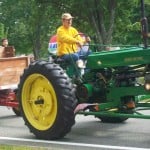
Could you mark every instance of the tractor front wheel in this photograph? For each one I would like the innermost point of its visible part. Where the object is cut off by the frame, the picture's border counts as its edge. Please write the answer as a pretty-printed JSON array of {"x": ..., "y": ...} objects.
[{"x": 112, "y": 119}]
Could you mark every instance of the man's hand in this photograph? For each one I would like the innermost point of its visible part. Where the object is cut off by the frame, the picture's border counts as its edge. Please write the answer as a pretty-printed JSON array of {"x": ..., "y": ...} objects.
[
  {"x": 88, "y": 39},
  {"x": 79, "y": 43}
]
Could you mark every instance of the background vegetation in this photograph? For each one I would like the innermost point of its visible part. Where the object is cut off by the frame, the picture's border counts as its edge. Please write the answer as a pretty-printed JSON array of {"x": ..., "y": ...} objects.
[
  {"x": 15, "y": 147},
  {"x": 29, "y": 24}
]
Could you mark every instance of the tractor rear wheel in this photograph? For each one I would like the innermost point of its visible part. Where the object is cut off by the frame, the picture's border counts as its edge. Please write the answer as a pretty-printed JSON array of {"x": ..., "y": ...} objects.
[{"x": 47, "y": 100}]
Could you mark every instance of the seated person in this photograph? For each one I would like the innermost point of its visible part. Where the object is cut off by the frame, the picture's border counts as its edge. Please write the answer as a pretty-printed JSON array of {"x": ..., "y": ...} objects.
[
  {"x": 4, "y": 42},
  {"x": 7, "y": 51},
  {"x": 69, "y": 40}
]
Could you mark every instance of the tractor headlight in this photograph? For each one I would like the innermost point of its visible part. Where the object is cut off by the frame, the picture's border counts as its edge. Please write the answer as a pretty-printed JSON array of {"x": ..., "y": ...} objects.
[
  {"x": 80, "y": 63},
  {"x": 147, "y": 82},
  {"x": 147, "y": 86}
]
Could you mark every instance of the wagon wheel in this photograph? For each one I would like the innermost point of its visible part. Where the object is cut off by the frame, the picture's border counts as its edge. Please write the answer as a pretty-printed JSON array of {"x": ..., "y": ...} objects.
[
  {"x": 47, "y": 100},
  {"x": 16, "y": 111}
]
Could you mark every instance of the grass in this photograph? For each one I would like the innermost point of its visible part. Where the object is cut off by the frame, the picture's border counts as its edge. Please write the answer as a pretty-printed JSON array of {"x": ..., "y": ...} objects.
[{"x": 14, "y": 147}]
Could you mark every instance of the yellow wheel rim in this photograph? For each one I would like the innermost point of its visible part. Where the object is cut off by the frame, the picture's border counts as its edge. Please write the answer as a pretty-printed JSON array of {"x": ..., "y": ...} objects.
[{"x": 39, "y": 101}]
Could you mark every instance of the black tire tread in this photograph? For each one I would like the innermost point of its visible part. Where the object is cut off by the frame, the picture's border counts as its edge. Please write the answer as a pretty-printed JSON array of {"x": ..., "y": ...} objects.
[{"x": 65, "y": 96}]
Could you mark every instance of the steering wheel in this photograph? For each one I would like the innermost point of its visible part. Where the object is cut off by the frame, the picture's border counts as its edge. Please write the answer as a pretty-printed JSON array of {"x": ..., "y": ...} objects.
[{"x": 85, "y": 47}]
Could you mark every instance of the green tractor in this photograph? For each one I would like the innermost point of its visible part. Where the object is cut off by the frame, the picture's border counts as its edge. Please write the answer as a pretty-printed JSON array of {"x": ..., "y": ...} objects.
[{"x": 115, "y": 86}]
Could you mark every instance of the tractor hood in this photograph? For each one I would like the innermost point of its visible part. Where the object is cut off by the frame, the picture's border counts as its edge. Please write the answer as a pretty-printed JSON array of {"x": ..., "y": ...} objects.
[{"x": 122, "y": 57}]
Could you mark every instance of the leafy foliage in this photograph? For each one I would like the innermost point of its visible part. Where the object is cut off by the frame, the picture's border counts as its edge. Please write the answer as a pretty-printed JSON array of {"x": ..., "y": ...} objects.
[
  {"x": 3, "y": 31},
  {"x": 29, "y": 24}
]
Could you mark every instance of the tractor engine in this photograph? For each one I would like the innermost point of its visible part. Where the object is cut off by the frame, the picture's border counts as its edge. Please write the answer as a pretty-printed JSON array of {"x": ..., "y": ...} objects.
[
  {"x": 95, "y": 85},
  {"x": 99, "y": 82}
]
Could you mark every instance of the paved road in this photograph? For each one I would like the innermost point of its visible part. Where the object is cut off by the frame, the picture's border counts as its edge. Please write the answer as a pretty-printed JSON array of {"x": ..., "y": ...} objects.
[{"x": 88, "y": 133}]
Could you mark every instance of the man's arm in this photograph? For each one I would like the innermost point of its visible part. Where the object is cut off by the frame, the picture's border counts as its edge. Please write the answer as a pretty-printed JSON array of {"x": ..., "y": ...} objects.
[{"x": 66, "y": 38}]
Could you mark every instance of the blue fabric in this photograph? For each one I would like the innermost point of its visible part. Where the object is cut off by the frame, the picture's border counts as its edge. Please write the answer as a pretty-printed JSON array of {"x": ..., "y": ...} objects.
[{"x": 76, "y": 56}]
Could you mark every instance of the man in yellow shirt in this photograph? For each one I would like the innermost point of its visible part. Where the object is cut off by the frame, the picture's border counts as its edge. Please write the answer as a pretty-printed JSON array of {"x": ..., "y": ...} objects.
[{"x": 69, "y": 41}]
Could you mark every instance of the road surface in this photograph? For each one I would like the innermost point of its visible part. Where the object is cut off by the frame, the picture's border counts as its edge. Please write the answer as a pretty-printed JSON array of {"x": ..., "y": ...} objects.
[{"x": 88, "y": 133}]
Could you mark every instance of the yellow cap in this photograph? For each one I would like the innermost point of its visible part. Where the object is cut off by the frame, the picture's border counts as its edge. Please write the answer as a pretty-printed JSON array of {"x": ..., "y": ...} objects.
[{"x": 66, "y": 16}]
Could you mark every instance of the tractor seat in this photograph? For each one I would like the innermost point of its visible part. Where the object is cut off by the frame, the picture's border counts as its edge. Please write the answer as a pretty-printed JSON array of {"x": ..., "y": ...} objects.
[{"x": 61, "y": 61}]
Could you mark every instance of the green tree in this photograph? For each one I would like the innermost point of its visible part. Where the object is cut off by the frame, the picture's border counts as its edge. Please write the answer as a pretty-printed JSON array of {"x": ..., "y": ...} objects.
[
  {"x": 107, "y": 21},
  {"x": 3, "y": 31},
  {"x": 31, "y": 23}
]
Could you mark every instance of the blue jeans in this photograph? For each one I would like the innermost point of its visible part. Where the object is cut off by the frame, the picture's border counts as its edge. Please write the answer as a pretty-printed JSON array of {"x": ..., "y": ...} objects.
[
  {"x": 76, "y": 56},
  {"x": 72, "y": 59}
]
